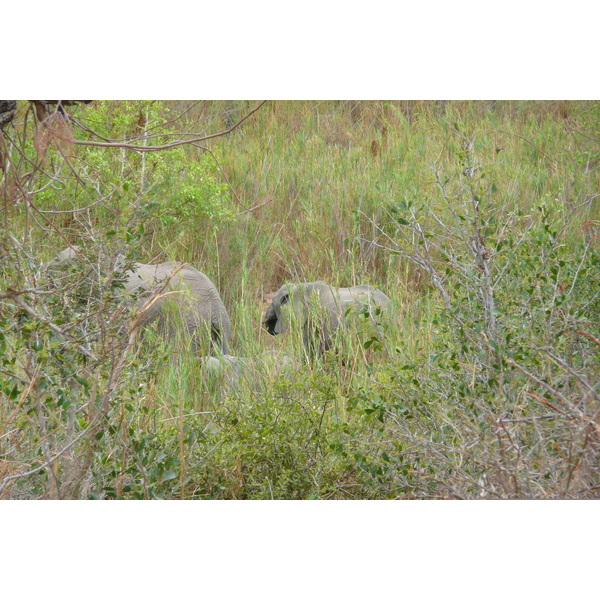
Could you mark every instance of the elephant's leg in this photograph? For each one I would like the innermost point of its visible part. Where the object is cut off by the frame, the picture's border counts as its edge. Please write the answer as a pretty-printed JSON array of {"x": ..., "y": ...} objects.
[
  {"x": 218, "y": 339},
  {"x": 313, "y": 344}
]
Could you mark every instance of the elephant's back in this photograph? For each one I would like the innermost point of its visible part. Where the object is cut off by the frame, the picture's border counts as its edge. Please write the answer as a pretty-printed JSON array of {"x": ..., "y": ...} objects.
[
  {"x": 148, "y": 276},
  {"x": 199, "y": 283},
  {"x": 364, "y": 294},
  {"x": 196, "y": 279},
  {"x": 142, "y": 276},
  {"x": 358, "y": 293},
  {"x": 380, "y": 298},
  {"x": 156, "y": 274}
]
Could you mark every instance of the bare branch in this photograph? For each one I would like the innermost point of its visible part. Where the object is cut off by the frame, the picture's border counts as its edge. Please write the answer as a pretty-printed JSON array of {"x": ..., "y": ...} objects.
[
  {"x": 555, "y": 393},
  {"x": 589, "y": 336},
  {"x": 169, "y": 146}
]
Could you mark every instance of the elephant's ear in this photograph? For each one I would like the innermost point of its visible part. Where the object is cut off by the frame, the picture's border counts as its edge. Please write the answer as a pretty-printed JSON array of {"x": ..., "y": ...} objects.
[
  {"x": 288, "y": 306},
  {"x": 309, "y": 299},
  {"x": 283, "y": 302},
  {"x": 277, "y": 321}
]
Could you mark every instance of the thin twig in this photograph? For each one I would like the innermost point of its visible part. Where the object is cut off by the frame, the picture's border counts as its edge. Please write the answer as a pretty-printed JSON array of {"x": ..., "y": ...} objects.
[
  {"x": 589, "y": 336},
  {"x": 210, "y": 412}
]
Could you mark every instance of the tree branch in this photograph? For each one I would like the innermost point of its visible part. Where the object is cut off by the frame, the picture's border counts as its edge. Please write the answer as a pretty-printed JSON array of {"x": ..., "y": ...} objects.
[{"x": 139, "y": 148}]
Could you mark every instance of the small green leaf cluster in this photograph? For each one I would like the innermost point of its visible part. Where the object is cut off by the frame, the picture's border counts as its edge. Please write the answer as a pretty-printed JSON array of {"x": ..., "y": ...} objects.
[{"x": 194, "y": 199}]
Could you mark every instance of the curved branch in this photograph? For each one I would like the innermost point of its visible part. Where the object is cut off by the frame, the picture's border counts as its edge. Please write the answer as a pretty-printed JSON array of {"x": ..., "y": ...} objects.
[{"x": 171, "y": 144}]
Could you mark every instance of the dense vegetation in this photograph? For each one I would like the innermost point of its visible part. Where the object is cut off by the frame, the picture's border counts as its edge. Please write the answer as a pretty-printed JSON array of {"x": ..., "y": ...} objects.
[{"x": 481, "y": 221}]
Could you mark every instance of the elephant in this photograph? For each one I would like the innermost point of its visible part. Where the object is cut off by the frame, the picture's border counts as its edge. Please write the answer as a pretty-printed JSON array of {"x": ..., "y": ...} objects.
[
  {"x": 321, "y": 310},
  {"x": 62, "y": 260},
  {"x": 195, "y": 296},
  {"x": 228, "y": 370},
  {"x": 192, "y": 293},
  {"x": 278, "y": 362},
  {"x": 66, "y": 255}
]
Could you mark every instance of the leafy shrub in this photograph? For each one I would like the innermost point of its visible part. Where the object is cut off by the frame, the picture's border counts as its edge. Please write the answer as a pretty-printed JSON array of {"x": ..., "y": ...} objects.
[{"x": 505, "y": 402}]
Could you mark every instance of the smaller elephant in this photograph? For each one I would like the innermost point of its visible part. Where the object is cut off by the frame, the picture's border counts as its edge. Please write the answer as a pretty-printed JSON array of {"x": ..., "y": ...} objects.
[
  {"x": 321, "y": 310},
  {"x": 277, "y": 362},
  {"x": 227, "y": 371}
]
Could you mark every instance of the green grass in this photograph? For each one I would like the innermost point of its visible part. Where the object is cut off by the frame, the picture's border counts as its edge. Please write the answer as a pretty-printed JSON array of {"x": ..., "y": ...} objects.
[{"x": 299, "y": 193}]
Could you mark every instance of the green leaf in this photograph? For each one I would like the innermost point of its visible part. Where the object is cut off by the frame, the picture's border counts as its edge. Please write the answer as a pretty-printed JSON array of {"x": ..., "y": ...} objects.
[
  {"x": 167, "y": 476},
  {"x": 14, "y": 392}
]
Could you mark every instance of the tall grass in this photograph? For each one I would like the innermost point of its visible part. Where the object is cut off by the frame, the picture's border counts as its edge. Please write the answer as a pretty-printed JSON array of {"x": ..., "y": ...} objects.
[
  {"x": 315, "y": 166},
  {"x": 310, "y": 190}
]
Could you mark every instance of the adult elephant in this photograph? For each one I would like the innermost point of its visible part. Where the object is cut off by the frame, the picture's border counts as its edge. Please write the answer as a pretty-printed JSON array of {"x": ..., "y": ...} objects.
[
  {"x": 321, "y": 310},
  {"x": 168, "y": 293},
  {"x": 178, "y": 290}
]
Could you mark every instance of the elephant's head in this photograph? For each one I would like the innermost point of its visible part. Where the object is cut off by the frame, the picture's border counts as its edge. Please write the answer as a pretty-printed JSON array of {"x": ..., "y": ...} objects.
[{"x": 292, "y": 301}]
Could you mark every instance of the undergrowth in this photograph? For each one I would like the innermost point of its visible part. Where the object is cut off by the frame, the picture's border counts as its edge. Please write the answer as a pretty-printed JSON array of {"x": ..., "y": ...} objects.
[{"x": 478, "y": 219}]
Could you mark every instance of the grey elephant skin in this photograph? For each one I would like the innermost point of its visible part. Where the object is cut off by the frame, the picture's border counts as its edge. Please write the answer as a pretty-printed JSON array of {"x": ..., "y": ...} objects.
[
  {"x": 320, "y": 310},
  {"x": 228, "y": 371},
  {"x": 193, "y": 296}
]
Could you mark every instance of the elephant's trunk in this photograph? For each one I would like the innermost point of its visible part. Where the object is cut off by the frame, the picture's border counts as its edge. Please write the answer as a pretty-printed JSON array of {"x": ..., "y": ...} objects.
[{"x": 270, "y": 321}]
